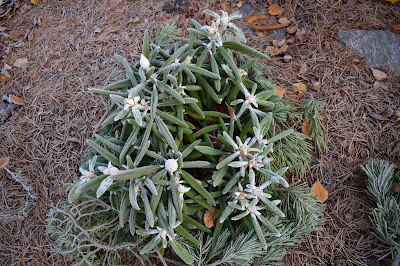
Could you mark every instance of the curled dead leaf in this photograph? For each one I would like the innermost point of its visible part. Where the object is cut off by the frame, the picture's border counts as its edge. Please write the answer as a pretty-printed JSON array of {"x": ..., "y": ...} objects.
[
  {"x": 4, "y": 161},
  {"x": 208, "y": 218},
  {"x": 305, "y": 127},
  {"x": 35, "y": 2},
  {"x": 16, "y": 100},
  {"x": 255, "y": 18},
  {"x": 299, "y": 87},
  {"x": 275, "y": 10},
  {"x": 279, "y": 91},
  {"x": 319, "y": 191}
]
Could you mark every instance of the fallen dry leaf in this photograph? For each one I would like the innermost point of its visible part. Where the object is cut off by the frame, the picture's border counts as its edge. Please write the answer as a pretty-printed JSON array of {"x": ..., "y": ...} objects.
[
  {"x": 4, "y": 162},
  {"x": 396, "y": 187},
  {"x": 3, "y": 77},
  {"x": 392, "y": 1},
  {"x": 383, "y": 85},
  {"x": 255, "y": 18},
  {"x": 351, "y": 150},
  {"x": 21, "y": 62},
  {"x": 279, "y": 91},
  {"x": 303, "y": 69},
  {"x": 317, "y": 86},
  {"x": 284, "y": 21},
  {"x": 291, "y": 29},
  {"x": 271, "y": 50},
  {"x": 396, "y": 27},
  {"x": 16, "y": 100},
  {"x": 378, "y": 116},
  {"x": 275, "y": 10},
  {"x": 35, "y": 2},
  {"x": 208, "y": 218},
  {"x": 378, "y": 75},
  {"x": 271, "y": 27},
  {"x": 305, "y": 127},
  {"x": 319, "y": 191},
  {"x": 299, "y": 87},
  {"x": 240, "y": 4},
  {"x": 287, "y": 58}
]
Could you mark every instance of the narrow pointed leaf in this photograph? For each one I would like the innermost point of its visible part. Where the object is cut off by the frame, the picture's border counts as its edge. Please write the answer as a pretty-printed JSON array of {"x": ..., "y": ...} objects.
[{"x": 196, "y": 186}]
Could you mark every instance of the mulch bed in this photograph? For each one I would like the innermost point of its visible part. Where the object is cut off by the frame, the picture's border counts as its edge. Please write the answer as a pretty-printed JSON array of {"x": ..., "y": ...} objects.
[{"x": 70, "y": 46}]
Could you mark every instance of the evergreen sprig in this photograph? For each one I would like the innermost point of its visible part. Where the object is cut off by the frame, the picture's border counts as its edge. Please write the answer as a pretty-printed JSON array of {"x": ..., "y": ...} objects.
[{"x": 386, "y": 211}]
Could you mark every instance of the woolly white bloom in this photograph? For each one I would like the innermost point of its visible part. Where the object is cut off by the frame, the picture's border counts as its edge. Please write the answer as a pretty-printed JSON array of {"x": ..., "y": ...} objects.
[
  {"x": 109, "y": 170},
  {"x": 88, "y": 174},
  {"x": 144, "y": 62},
  {"x": 171, "y": 165},
  {"x": 182, "y": 190},
  {"x": 138, "y": 106},
  {"x": 188, "y": 59},
  {"x": 242, "y": 72}
]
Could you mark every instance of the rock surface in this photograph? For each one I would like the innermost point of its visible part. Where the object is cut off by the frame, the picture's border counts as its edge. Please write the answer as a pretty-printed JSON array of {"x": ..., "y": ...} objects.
[{"x": 381, "y": 48}]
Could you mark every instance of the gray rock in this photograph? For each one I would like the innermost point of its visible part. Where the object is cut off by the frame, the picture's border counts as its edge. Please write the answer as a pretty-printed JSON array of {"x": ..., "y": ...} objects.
[
  {"x": 380, "y": 47},
  {"x": 246, "y": 10}
]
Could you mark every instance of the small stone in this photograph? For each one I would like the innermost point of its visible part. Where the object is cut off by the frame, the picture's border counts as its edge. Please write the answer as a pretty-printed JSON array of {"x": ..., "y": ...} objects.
[
  {"x": 287, "y": 58},
  {"x": 378, "y": 75},
  {"x": 291, "y": 29},
  {"x": 284, "y": 21},
  {"x": 379, "y": 47}
]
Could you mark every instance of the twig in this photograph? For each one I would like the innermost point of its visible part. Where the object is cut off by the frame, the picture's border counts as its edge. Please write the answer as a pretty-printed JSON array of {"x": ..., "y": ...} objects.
[{"x": 272, "y": 27}]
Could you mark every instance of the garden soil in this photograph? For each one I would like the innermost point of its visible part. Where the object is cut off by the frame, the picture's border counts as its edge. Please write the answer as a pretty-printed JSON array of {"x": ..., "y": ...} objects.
[{"x": 70, "y": 46}]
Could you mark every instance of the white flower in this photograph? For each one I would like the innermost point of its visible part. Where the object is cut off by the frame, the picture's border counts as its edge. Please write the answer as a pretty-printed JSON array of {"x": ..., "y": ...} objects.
[
  {"x": 224, "y": 19},
  {"x": 134, "y": 102},
  {"x": 88, "y": 174},
  {"x": 188, "y": 59},
  {"x": 242, "y": 72},
  {"x": 182, "y": 190},
  {"x": 144, "y": 62},
  {"x": 138, "y": 106},
  {"x": 109, "y": 170},
  {"x": 171, "y": 165}
]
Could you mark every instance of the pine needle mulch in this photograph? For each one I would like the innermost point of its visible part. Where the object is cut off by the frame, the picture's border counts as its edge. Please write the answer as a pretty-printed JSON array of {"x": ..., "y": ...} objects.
[{"x": 73, "y": 47}]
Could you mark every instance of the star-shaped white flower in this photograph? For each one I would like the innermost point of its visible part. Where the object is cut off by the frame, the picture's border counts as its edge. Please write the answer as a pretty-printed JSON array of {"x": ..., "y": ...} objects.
[{"x": 109, "y": 170}]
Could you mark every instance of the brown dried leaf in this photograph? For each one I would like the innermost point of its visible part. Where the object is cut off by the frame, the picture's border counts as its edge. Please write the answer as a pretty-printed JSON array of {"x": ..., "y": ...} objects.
[
  {"x": 284, "y": 21},
  {"x": 319, "y": 191},
  {"x": 299, "y": 87},
  {"x": 279, "y": 91},
  {"x": 292, "y": 29},
  {"x": 351, "y": 149},
  {"x": 378, "y": 116},
  {"x": 208, "y": 218},
  {"x": 396, "y": 187},
  {"x": 16, "y": 100},
  {"x": 378, "y": 75},
  {"x": 4, "y": 162},
  {"x": 275, "y": 10},
  {"x": 255, "y": 18},
  {"x": 305, "y": 127}
]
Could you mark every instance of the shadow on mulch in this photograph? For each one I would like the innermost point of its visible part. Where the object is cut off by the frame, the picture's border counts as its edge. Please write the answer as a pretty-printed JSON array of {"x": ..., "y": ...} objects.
[{"x": 71, "y": 45}]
